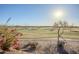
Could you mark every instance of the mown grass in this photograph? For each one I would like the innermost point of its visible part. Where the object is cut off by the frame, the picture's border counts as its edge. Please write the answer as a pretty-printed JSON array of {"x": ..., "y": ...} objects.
[{"x": 42, "y": 33}]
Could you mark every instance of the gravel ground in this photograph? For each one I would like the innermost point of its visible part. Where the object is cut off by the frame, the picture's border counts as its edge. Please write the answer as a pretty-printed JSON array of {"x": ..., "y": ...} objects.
[{"x": 49, "y": 46}]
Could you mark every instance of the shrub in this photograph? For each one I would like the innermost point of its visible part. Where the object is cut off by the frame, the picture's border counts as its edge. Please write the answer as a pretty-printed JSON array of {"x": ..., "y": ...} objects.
[{"x": 9, "y": 38}]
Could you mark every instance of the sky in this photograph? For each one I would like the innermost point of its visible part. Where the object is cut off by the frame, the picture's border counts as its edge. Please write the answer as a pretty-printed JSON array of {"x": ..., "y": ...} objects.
[{"x": 38, "y": 14}]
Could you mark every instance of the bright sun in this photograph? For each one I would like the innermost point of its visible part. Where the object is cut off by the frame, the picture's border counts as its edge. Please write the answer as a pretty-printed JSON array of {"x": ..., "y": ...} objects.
[{"x": 58, "y": 14}]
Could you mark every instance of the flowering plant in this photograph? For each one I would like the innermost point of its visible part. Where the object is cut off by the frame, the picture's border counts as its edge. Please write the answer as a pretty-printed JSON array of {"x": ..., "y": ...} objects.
[{"x": 9, "y": 38}]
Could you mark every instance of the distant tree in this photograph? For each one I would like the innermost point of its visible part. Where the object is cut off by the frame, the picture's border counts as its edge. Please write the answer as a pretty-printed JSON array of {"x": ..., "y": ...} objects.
[
  {"x": 61, "y": 25},
  {"x": 55, "y": 25}
]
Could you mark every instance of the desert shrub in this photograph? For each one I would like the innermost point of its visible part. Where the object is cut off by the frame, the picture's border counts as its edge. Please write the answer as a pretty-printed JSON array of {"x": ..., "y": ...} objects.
[{"x": 9, "y": 38}]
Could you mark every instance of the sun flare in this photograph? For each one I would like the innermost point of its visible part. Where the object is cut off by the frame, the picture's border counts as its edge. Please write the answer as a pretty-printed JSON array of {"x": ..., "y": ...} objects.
[{"x": 58, "y": 15}]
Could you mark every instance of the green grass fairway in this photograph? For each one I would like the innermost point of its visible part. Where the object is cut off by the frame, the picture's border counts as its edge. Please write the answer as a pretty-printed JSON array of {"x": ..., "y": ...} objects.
[{"x": 47, "y": 33}]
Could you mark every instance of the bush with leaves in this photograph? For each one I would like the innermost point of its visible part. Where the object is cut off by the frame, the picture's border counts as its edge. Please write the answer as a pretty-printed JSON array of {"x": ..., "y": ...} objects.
[{"x": 9, "y": 38}]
